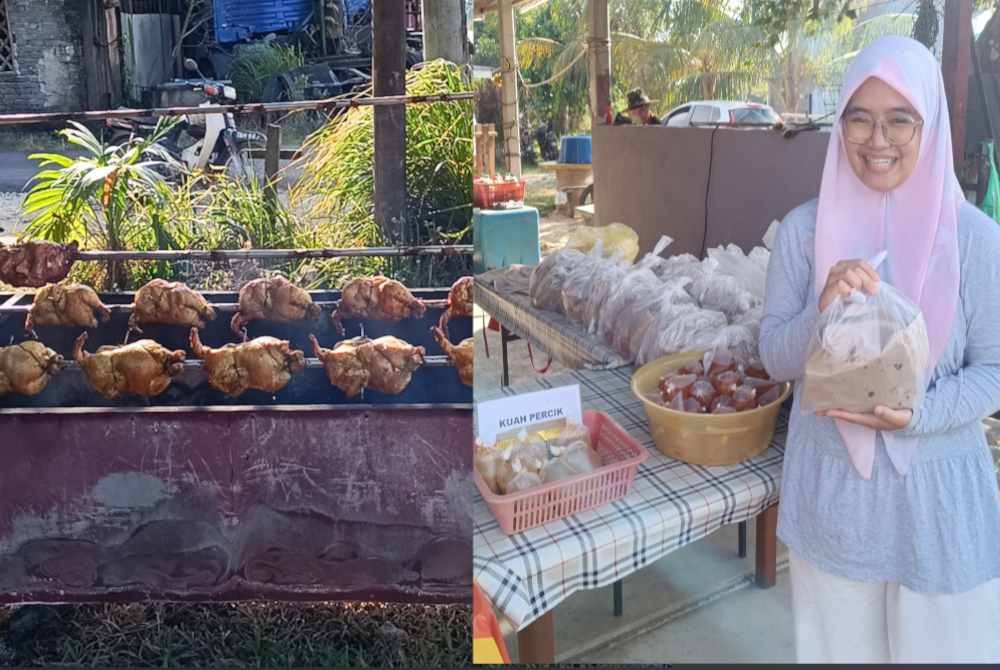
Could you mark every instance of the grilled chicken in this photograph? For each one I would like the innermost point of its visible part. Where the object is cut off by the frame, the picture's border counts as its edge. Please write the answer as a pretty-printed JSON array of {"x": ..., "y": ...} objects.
[
  {"x": 385, "y": 364},
  {"x": 26, "y": 368},
  {"x": 66, "y": 304},
  {"x": 462, "y": 355},
  {"x": 263, "y": 363},
  {"x": 343, "y": 367},
  {"x": 35, "y": 264},
  {"x": 172, "y": 303},
  {"x": 142, "y": 368},
  {"x": 390, "y": 362},
  {"x": 378, "y": 298},
  {"x": 274, "y": 299},
  {"x": 459, "y": 302}
]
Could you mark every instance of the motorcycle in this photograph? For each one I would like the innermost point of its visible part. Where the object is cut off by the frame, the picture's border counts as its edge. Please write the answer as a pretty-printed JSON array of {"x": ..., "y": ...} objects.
[{"x": 200, "y": 142}]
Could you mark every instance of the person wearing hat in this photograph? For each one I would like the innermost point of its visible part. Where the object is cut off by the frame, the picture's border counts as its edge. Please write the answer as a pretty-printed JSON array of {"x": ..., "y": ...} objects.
[{"x": 638, "y": 108}]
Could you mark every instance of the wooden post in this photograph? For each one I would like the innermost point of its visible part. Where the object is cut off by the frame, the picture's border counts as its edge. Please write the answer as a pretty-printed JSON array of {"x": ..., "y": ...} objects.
[
  {"x": 537, "y": 642},
  {"x": 598, "y": 61},
  {"x": 389, "y": 78},
  {"x": 766, "y": 549},
  {"x": 272, "y": 160},
  {"x": 508, "y": 71},
  {"x": 955, "y": 56}
]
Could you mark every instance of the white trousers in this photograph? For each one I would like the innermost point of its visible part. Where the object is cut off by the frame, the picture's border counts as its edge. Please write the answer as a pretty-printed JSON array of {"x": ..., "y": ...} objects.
[{"x": 839, "y": 620}]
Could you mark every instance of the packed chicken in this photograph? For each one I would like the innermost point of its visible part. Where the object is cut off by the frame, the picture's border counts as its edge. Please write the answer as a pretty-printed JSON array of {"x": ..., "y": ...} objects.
[
  {"x": 459, "y": 302},
  {"x": 66, "y": 304},
  {"x": 461, "y": 355},
  {"x": 263, "y": 363},
  {"x": 143, "y": 368},
  {"x": 378, "y": 298},
  {"x": 171, "y": 303},
  {"x": 35, "y": 264},
  {"x": 534, "y": 458},
  {"x": 385, "y": 364},
  {"x": 273, "y": 299},
  {"x": 26, "y": 368},
  {"x": 719, "y": 384}
]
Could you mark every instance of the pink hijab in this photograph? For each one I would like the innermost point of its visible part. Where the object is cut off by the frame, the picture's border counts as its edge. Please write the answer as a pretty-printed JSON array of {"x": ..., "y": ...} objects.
[{"x": 916, "y": 222}]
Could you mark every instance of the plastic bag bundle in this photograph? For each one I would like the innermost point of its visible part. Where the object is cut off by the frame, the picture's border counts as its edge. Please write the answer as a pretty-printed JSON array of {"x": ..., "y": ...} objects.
[
  {"x": 606, "y": 279},
  {"x": 683, "y": 327},
  {"x": 723, "y": 293},
  {"x": 616, "y": 240},
  {"x": 578, "y": 286},
  {"x": 575, "y": 459},
  {"x": 684, "y": 265},
  {"x": 749, "y": 271},
  {"x": 630, "y": 305},
  {"x": 547, "y": 278},
  {"x": 867, "y": 351}
]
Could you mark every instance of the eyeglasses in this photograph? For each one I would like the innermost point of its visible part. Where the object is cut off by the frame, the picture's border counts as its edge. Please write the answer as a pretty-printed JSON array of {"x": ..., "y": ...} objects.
[{"x": 898, "y": 129}]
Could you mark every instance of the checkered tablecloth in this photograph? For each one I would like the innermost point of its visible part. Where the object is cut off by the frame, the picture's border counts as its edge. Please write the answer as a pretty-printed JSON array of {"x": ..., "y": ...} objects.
[
  {"x": 503, "y": 294},
  {"x": 671, "y": 504}
]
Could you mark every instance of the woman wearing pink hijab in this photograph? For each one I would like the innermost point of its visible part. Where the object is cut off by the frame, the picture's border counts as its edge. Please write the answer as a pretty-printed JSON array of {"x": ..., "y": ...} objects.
[{"x": 892, "y": 519}]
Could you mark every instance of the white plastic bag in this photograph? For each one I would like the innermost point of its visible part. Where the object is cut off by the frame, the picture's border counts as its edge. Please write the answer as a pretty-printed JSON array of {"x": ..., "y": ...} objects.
[
  {"x": 750, "y": 272},
  {"x": 867, "y": 351},
  {"x": 723, "y": 293},
  {"x": 684, "y": 327},
  {"x": 579, "y": 284},
  {"x": 607, "y": 278},
  {"x": 547, "y": 278}
]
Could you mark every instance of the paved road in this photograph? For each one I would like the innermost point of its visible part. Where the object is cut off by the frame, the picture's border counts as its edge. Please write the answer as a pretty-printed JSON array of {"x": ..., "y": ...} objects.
[{"x": 15, "y": 170}]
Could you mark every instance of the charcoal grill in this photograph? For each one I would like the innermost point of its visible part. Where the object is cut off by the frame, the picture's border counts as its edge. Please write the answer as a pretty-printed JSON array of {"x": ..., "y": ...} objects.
[{"x": 193, "y": 495}]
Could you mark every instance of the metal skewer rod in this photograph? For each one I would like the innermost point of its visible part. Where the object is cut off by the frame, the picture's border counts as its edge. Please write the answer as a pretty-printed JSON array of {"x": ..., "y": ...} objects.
[
  {"x": 196, "y": 364},
  {"x": 273, "y": 254},
  {"x": 222, "y": 307}
]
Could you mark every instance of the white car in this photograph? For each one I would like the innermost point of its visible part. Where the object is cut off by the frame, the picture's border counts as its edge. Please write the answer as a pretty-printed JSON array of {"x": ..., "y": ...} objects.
[{"x": 721, "y": 112}]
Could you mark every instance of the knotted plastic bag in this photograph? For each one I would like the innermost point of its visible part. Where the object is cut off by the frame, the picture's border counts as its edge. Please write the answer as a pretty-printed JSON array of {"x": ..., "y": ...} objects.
[
  {"x": 547, "y": 278},
  {"x": 867, "y": 351}
]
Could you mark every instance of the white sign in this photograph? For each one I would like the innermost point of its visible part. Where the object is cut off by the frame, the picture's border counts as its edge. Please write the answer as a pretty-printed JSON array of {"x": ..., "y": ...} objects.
[{"x": 509, "y": 415}]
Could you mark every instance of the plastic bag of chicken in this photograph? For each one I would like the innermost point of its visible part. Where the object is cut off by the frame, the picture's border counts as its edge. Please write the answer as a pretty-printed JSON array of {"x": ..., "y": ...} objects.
[
  {"x": 547, "y": 278},
  {"x": 867, "y": 351}
]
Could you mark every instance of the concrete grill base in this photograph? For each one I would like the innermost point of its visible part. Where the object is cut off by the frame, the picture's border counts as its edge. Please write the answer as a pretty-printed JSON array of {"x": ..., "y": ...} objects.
[{"x": 234, "y": 503}]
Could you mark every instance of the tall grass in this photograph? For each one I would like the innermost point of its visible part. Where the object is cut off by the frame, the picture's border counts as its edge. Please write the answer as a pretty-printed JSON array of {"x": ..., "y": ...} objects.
[
  {"x": 336, "y": 192},
  {"x": 253, "y": 64}
]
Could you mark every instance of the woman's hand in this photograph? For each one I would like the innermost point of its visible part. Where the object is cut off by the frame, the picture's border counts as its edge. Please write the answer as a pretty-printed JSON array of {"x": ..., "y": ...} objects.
[
  {"x": 883, "y": 418},
  {"x": 846, "y": 276}
]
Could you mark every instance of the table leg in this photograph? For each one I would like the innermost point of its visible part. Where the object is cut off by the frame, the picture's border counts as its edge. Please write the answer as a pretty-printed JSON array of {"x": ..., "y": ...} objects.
[
  {"x": 767, "y": 547},
  {"x": 537, "y": 642},
  {"x": 504, "y": 339},
  {"x": 619, "y": 597},
  {"x": 743, "y": 539}
]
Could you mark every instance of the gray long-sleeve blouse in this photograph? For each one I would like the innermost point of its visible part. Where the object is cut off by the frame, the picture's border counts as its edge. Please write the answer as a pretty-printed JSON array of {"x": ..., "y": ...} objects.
[{"x": 936, "y": 530}]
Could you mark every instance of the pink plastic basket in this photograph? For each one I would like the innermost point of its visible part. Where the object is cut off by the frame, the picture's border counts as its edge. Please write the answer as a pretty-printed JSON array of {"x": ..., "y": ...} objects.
[{"x": 621, "y": 456}]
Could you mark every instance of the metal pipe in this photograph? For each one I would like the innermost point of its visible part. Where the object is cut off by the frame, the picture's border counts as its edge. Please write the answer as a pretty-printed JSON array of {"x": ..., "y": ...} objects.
[
  {"x": 255, "y": 108},
  {"x": 223, "y": 307},
  {"x": 174, "y": 409},
  {"x": 244, "y": 254},
  {"x": 197, "y": 364}
]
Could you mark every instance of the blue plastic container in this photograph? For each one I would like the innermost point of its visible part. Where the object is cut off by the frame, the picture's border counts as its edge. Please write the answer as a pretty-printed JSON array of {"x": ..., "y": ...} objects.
[
  {"x": 503, "y": 237},
  {"x": 575, "y": 149},
  {"x": 237, "y": 20}
]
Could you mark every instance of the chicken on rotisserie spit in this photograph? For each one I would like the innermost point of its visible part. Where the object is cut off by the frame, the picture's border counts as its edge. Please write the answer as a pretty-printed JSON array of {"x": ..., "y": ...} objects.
[
  {"x": 143, "y": 368},
  {"x": 343, "y": 367},
  {"x": 378, "y": 298},
  {"x": 385, "y": 364},
  {"x": 461, "y": 355},
  {"x": 274, "y": 299},
  {"x": 263, "y": 363},
  {"x": 459, "y": 302},
  {"x": 26, "y": 368},
  {"x": 36, "y": 264},
  {"x": 66, "y": 304},
  {"x": 171, "y": 303}
]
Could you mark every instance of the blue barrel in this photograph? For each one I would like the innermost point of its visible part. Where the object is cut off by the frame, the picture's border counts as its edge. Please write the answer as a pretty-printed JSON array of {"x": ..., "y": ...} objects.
[{"x": 575, "y": 149}]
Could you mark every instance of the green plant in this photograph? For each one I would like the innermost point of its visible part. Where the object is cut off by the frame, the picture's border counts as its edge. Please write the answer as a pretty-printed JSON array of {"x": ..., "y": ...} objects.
[
  {"x": 94, "y": 197},
  {"x": 254, "y": 64},
  {"x": 336, "y": 190}
]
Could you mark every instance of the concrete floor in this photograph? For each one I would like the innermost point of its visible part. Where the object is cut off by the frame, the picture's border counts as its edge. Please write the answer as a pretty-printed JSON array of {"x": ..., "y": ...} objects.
[{"x": 698, "y": 604}]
